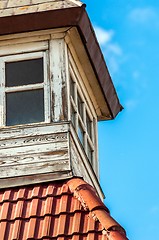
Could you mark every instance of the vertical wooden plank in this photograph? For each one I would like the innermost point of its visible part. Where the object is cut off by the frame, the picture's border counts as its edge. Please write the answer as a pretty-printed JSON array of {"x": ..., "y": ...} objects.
[
  {"x": 68, "y": 94},
  {"x": 95, "y": 137},
  {"x": 2, "y": 93},
  {"x": 58, "y": 78},
  {"x": 46, "y": 87},
  {"x": 66, "y": 84}
]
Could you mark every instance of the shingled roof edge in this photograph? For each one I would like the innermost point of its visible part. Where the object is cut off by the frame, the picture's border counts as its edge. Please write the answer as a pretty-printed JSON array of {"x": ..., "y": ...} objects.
[{"x": 86, "y": 194}]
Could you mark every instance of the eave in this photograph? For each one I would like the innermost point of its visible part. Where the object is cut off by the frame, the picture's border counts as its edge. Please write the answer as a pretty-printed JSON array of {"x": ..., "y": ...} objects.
[{"x": 69, "y": 17}]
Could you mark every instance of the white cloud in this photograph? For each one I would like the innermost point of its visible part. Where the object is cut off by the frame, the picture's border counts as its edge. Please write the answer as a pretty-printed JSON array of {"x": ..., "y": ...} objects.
[
  {"x": 110, "y": 49},
  {"x": 143, "y": 15},
  {"x": 115, "y": 48},
  {"x": 113, "y": 65},
  {"x": 103, "y": 36}
]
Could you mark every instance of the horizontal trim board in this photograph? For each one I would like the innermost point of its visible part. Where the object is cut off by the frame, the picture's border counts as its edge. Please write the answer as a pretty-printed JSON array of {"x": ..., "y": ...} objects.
[
  {"x": 35, "y": 140},
  {"x": 50, "y": 147},
  {"x": 31, "y": 130},
  {"x": 32, "y": 168},
  {"x": 22, "y": 37},
  {"x": 23, "y": 48},
  {"x": 38, "y": 178},
  {"x": 34, "y": 158}
]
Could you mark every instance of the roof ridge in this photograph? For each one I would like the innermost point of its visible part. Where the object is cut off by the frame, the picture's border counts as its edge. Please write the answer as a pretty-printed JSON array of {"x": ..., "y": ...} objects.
[{"x": 89, "y": 199}]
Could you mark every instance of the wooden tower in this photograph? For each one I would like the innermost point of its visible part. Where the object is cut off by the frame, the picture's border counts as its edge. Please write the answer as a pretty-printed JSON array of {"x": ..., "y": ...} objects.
[{"x": 54, "y": 87}]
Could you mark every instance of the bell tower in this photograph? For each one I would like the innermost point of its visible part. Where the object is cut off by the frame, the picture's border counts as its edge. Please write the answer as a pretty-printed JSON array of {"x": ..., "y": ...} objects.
[{"x": 54, "y": 87}]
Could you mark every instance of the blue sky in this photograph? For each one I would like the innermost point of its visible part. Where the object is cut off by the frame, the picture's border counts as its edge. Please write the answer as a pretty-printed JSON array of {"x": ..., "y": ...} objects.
[{"x": 128, "y": 32}]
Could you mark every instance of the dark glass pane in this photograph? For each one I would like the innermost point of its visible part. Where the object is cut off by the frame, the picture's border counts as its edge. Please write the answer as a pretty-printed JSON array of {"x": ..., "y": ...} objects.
[
  {"x": 25, "y": 107},
  {"x": 73, "y": 116},
  {"x": 80, "y": 106},
  {"x": 72, "y": 92},
  {"x": 24, "y": 72},
  {"x": 81, "y": 134},
  {"x": 89, "y": 153},
  {"x": 89, "y": 125}
]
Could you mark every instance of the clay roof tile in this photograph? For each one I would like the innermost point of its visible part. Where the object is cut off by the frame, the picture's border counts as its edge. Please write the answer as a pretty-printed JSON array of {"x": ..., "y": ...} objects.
[
  {"x": 57, "y": 210},
  {"x": 88, "y": 197}
]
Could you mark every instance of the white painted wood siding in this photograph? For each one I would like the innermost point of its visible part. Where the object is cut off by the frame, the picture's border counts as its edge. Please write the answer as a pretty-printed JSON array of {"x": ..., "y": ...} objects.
[
  {"x": 47, "y": 151},
  {"x": 81, "y": 166},
  {"x": 34, "y": 150},
  {"x": 58, "y": 78}
]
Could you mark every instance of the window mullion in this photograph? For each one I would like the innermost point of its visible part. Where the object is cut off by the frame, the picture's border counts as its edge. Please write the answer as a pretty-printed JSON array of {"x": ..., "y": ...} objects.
[
  {"x": 90, "y": 142},
  {"x": 47, "y": 89},
  {"x": 86, "y": 127},
  {"x": 24, "y": 87},
  {"x": 76, "y": 115},
  {"x": 85, "y": 130}
]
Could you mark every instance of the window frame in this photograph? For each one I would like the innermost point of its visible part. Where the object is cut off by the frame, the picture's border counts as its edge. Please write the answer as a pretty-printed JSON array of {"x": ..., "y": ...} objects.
[
  {"x": 45, "y": 85},
  {"x": 90, "y": 141}
]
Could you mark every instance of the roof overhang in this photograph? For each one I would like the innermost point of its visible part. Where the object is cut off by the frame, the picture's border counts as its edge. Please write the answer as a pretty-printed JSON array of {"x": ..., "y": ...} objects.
[{"x": 69, "y": 17}]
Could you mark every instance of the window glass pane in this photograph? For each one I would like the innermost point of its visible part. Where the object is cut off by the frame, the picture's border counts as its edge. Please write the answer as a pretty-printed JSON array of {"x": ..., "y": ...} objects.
[
  {"x": 25, "y": 107},
  {"x": 89, "y": 153},
  {"x": 73, "y": 115},
  {"x": 24, "y": 72},
  {"x": 72, "y": 91},
  {"x": 89, "y": 125},
  {"x": 81, "y": 134},
  {"x": 80, "y": 106}
]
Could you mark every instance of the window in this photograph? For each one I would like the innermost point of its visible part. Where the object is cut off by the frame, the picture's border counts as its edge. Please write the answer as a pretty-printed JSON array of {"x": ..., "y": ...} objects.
[
  {"x": 23, "y": 88},
  {"x": 81, "y": 117}
]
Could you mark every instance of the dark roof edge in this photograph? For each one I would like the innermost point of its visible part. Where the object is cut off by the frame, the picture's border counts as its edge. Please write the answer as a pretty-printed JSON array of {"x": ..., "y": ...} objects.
[
  {"x": 99, "y": 65},
  {"x": 68, "y": 17}
]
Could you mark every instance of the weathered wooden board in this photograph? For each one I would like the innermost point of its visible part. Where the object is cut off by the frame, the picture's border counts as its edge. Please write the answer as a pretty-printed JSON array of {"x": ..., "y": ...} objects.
[
  {"x": 27, "y": 158},
  {"x": 32, "y": 179},
  {"x": 11, "y": 39},
  {"x": 33, "y": 130},
  {"x": 23, "y": 48},
  {"x": 81, "y": 165},
  {"x": 42, "y": 148},
  {"x": 32, "y": 141},
  {"x": 29, "y": 169},
  {"x": 58, "y": 77},
  {"x": 35, "y": 149}
]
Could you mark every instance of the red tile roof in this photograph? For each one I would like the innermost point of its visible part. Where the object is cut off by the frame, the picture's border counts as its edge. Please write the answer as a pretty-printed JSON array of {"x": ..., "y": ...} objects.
[{"x": 59, "y": 210}]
